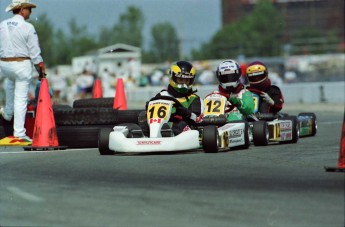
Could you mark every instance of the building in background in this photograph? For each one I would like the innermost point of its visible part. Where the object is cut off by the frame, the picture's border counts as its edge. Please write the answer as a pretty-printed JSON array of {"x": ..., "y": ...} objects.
[
  {"x": 119, "y": 58},
  {"x": 323, "y": 15}
]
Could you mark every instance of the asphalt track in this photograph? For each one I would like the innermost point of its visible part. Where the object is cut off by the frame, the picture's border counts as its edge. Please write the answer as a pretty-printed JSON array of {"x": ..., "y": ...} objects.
[{"x": 277, "y": 185}]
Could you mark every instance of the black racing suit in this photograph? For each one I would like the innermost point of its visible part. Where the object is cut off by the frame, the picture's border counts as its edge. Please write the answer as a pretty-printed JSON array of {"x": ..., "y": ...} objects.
[
  {"x": 189, "y": 112},
  {"x": 275, "y": 93}
]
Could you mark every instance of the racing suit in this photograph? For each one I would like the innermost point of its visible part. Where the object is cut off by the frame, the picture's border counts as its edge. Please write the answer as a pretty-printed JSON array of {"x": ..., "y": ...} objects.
[
  {"x": 188, "y": 114},
  {"x": 240, "y": 109},
  {"x": 275, "y": 94}
]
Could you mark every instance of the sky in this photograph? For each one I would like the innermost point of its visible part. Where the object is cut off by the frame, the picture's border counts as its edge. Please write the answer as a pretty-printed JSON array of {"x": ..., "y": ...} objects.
[{"x": 195, "y": 21}]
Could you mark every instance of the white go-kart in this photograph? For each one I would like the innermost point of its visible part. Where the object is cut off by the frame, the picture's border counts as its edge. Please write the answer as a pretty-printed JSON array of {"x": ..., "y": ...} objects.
[
  {"x": 231, "y": 135},
  {"x": 129, "y": 137}
]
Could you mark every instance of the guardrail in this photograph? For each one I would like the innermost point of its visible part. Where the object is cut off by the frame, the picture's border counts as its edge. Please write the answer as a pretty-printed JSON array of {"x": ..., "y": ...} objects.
[{"x": 316, "y": 92}]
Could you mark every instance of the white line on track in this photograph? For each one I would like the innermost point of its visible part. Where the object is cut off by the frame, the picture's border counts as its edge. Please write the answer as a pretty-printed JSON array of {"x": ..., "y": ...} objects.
[{"x": 25, "y": 195}]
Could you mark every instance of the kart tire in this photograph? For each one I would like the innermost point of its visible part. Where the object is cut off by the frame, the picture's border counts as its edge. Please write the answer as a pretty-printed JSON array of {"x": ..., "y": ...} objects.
[
  {"x": 80, "y": 136},
  {"x": 128, "y": 116},
  {"x": 260, "y": 133},
  {"x": 94, "y": 103},
  {"x": 246, "y": 136},
  {"x": 103, "y": 142},
  {"x": 295, "y": 129},
  {"x": 314, "y": 121},
  {"x": 61, "y": 106},
  {"x": 134, "y": 130},
  {"x": 210, "y": 139}
]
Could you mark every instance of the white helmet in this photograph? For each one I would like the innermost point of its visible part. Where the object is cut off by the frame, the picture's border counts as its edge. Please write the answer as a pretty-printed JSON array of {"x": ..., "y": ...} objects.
[{"x": 229, "y": 74}]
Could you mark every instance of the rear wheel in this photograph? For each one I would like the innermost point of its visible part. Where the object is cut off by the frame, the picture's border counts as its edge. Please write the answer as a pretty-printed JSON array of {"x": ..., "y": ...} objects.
[
  {"x": 311, "y": 116},
  {"x": 103, "y": 142},
  {"x": 210, "y": 139},
  {"x": 260, "y": 133}
]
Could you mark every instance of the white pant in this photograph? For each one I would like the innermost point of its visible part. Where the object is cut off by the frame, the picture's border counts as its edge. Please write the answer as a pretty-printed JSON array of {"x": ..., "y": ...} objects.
[{"x": 18, "y": 76}]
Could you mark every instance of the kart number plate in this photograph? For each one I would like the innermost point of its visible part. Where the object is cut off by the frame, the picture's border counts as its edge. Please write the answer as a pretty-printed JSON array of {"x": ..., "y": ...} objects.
[
  {"x": 158, "y": 110},
  {"x": 214, "y": 105}
]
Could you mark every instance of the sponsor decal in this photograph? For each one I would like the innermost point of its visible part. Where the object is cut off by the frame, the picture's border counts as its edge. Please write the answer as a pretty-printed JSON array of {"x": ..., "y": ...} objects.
[
  {"x": 286, "y": 136},
  {"x": 256, "y": 73},
  {"x": 236, "y": 133},
  {"x": 236, "y": 141},
  {"x": 285, "y": 125},
  {"x": 155, "y": 120},
  {"x": 153, "y": 142}
]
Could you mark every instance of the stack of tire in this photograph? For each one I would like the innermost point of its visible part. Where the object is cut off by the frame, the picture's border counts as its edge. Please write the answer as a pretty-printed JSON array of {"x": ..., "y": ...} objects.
[{"x": 78, "y": 126}]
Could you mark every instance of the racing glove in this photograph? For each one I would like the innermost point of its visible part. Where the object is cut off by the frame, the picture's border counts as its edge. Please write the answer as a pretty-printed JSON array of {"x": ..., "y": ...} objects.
[
  {"x": 235, "y": 101},
  {"x": 41, "y": 70},
  {"x": 184, "y": 112},
  {"x": 267, "y": 98}
]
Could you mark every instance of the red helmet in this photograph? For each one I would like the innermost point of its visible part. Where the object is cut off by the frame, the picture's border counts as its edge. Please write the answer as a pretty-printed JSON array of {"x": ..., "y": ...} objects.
[{"x": 257, "y": 75}]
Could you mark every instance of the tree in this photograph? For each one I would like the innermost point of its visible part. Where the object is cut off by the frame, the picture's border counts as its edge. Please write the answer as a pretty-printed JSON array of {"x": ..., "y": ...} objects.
[
  {"x": 44, "y": 29},
  {"x": 129, "y": 28},
  {"x": 266, "y": 28},
  {"x": 165, "y": 43},
  {"x": 258, "y": 34},
  {"x": 76, "y": 44}
]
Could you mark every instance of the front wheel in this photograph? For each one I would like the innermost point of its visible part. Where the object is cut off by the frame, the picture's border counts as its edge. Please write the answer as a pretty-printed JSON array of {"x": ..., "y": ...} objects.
[
  {"x": 260, "y": 133},
  {"x": 210, "y": 139},
  {"x": 103, "y": 141}
]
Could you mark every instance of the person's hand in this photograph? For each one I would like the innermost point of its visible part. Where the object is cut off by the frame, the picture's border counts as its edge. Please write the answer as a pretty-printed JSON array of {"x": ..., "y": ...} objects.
[
  {"x": 41, "y": 70},
  {"x": 235, "y": 101},
  {"x": 183, "y": 111},
  {"x": 228, "y": 106},
  {"x": 267, "y": 98}
]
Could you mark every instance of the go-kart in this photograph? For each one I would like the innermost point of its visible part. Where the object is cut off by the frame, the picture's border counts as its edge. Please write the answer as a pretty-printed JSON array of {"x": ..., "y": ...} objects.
[
  {"x": 234, "y": 134},
  {"x": 129, "y": 137},
  {"x": 279, "y": 127}
]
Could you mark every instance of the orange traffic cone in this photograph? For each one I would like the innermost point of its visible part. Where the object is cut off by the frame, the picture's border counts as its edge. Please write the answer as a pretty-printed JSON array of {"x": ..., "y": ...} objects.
[
  {"x": 97, "y": 89},
  {"x": 120, "y": 102},
  {"x": 44, "y": 135},
  {"x": 341, "y": 160}
]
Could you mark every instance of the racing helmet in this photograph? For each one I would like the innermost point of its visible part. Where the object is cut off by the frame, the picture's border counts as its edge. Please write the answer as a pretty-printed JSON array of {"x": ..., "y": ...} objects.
[
  {"x": 257, "y": 75},
  {"x": 228, "y": 74},
  {"x": 182, "y": 76}
]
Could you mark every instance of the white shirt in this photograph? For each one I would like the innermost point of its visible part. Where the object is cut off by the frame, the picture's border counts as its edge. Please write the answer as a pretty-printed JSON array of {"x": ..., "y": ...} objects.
[
  {"x": 18, "y": 38},
  {"x": 85, "y": 80},
  {"x": 57, "y": 82}
]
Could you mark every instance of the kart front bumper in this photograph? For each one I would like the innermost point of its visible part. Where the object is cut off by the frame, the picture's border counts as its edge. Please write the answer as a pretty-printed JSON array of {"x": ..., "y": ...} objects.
[{"x": 187, "y": 140}]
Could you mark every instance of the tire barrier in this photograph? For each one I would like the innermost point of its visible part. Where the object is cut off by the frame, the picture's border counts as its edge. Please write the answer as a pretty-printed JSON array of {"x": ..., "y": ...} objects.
[
  {"x": 94, "y": 116},
  {"x": 96, "y": 103}
]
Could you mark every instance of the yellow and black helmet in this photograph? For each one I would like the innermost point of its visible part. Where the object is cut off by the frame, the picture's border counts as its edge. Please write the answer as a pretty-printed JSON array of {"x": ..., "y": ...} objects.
[{"x": 182, "y": 76}]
